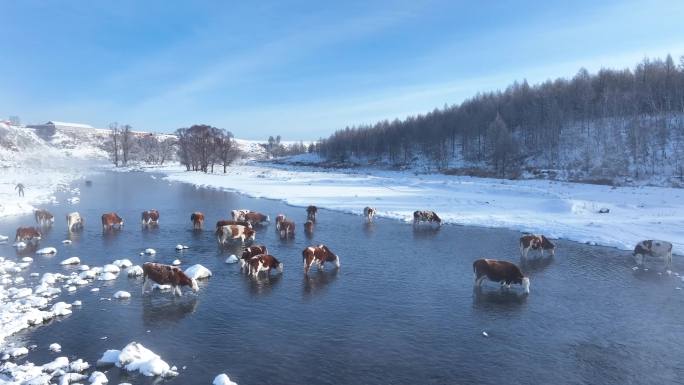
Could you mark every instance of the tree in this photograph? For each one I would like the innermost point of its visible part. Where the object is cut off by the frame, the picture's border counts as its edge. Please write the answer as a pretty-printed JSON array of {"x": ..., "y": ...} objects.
[
  {"x": 503, "y": 146},
  {"x": 226, "y": 149},
  {"x": 115, "y": 137},
  {"x": 126, "y": 143}
]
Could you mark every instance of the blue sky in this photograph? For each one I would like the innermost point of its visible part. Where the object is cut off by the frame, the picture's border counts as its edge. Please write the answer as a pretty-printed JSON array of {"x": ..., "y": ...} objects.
[{"x": 303, "y": 69}]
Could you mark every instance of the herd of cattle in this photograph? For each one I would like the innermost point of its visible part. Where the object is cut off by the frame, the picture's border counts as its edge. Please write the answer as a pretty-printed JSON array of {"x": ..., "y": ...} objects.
[{"x": 256, "y": 259}]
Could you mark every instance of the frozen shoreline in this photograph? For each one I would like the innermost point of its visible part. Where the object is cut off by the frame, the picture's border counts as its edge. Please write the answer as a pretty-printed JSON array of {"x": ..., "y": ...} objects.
[{"x": 558, "y": 209}]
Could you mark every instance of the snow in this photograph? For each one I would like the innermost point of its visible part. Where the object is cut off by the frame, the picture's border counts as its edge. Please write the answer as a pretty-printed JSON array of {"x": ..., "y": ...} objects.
[
  {"x": 180, "y": 247},
  {"x": 71, "y": 261},
  {"x": 66, "y": 242},
  {"x": 222, "y": 379},
  {"x": 557, "y": 209},
  {"x": 122, "y": 294},
  {"x": 150, "y": 251},
  {"x": 135, "y": 357},
  {"x": 123, "y": 263},
  {"x": 106, "y": 277},
  {"x": 176, "y": 262},
  {"x": 232, "y": 259},
  {"x": 197, "y": 272},
  {"x": 98, "y": 378},
  {"x": 47, "y": 250},
  {"x": 111, "y": 268},
  {"x": 61, "y": 308}
]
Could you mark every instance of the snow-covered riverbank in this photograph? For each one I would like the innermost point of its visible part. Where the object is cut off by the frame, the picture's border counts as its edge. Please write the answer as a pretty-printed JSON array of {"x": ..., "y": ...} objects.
[{"x": 561, "y": 210}]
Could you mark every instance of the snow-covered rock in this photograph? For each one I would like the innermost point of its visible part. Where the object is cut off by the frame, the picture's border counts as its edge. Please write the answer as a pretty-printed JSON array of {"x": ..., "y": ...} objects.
[
  {"x": 71, "y": 261},
  {"x": 27, "y": 259},
  {"x": 106, "y": 277},
  {"x": 134, "y": 271},
  {"x": 122, "y": 294},
  {"x": 97, "y": 378},
  {"x": 222, "y": 379},
  {"x": 61, "y": 308},
  {"x": 176, "y": 262},
  {"x": 55, "y": 347},
  {"x": 150, "y": 251},
  {"x": 77, "y": 303},
  {"x": 46, "y": 250},
  {"x": 78, "y": 366},
  {"x": 66, "y": 241},
  {"x": 111, "y": 268},
  {"x": 232, "y": 259},
  {"x": 135, "y": 357},
  {"x": 123, "y": 263},
  {"x": 180, "y": 247},
  {"x": 198, "y": 272},
  {"x": 83, "y": 267}
]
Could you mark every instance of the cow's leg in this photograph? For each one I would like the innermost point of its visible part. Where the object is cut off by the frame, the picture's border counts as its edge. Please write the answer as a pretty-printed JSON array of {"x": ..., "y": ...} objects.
[{"x": 145, "y": 283}]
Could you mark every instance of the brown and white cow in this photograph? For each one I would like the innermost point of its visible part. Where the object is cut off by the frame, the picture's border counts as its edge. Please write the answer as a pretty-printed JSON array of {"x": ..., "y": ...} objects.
[
  {"x": 256, "y": 218},
  {"x": 426, "y": 216},
  {"x": 536, "y": 242},
  {"x": 44, "y": 217},
  {"x": 234, "y": 232},
  {"x": 318, "y": 255},
  {"x": 150, "y": 217},
  {"x": 311, "y": 212},
  {"x": 251, "y": 252},
  {"x": 309, "y": 227},
  {"x": 197, "y": 219},
  {"x": 655, "y": 249},
  {"x": 279, "y": 218},
  {"x": 27, "y": 234},
  {"x": 287, "y": 229},
  {"x": 264, "y": 262},
  {"x": 74, "y": 221},
  {"x": 225, "y": 222},
  {"x": 503, "y": 272},
  {"x": 369, "y": 213},
  {"x": 111, "y": 220},
  {"x": 239, "y": 215},
  {"x": 167, "y": 275}
]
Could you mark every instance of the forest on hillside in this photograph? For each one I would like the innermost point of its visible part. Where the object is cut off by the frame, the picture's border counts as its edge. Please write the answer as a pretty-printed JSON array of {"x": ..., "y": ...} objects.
[{"x": 612, "y": 124}]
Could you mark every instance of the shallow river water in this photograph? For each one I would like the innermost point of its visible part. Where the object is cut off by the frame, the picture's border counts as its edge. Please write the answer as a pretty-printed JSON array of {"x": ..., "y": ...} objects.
[{"x": 400, "y": 310}]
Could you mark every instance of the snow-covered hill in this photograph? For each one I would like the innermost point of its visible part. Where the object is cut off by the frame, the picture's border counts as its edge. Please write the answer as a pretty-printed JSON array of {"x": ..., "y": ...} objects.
[{"x": 43, "y": 165}]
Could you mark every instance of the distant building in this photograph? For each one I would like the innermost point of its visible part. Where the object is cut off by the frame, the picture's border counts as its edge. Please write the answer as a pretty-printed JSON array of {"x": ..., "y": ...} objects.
[{"x": 49, "y": 128}]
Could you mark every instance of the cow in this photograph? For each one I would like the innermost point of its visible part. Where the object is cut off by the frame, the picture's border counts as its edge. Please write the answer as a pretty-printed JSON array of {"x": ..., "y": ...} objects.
[
  {"x": 74, "y": 221},
  {"x": 250, "y": 252},
  {"x": 256, "y": 218},
  {"x": 197, "y": 219},
  {"x": 318, "y": 255},
  {"x": 110, "y": 220},
  {"x": 369, "y": 213},
  {"x": 167, "y": 275},
  {"x": 655, "y": 249},
  {"x": 44, "y": 217},
  {"x": 150, "y": 217},
  {"x": 243, "y": 233},
  {"x": 311, "y": 212},
  {"x": 287, "y": 229},
  {"x": 239, "y": 215},
  {"x": 536, "y": 242},
  {"x": 426, "y": 216},
  {"x": 279, "y": 218},
  {"x": 264, "y": 262},
  {"x": 27, "y": 234},
  {"x": 503, "y": 272},
  {"x": 225, "y": 222},
  {"x": 309, "y": 227}
]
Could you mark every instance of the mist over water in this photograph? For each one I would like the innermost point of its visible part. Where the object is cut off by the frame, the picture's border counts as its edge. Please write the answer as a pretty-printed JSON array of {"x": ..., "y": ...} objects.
[{"x": 400, "y": 310}]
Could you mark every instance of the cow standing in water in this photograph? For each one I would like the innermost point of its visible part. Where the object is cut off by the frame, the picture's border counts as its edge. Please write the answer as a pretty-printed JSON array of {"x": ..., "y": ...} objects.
[
  {"x": 27, "y": 234},
  {"x": 111, "y": 220},
  {"x": 255, "y": 218},
  {"x": 249, "y": 253},
  {"x": 279, "y": 218},
  {"x": 197, "y": 219},
  {"x": 318, "y": 255},
  {"x": 536, "y": 242},
  {"x": 369, "y": 213},
  {"x": 74, "y": 221},
  {"x": 239, "y": 215},
  {"x": 166, "y": 275},
  {"x": 225, "y": 222},
  {"x": 287, "y": 229},
  {"x": 503, "y": 272},
  {"x": 309, "y": 227},
  {"x": 44, "y": 217},
  {"x": 150, "y": 217},
  {"x": 264, "y": 262},
  {"x": 653, "y": 248},
  {"x": 234, "y": 232},
  {"x": 311, "y": 212},
  {"x": 426, "y": 216}
]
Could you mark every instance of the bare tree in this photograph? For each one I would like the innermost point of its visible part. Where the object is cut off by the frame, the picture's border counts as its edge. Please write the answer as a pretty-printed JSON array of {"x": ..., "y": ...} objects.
[
  {"x": 126, "y": 143},
  {"x": 115, "y": 137}
]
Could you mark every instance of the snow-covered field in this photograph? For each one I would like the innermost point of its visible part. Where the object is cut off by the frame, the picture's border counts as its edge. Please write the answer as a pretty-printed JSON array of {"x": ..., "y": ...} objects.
[
  {"x": 560, "y": 210},
  {"x": 42, "y": 167}
]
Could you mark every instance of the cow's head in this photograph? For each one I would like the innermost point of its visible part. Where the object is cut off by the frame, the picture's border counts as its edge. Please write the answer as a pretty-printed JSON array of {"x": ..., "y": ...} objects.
[
  {"x": 184, "y": 280},
  {"x": 546, "y": 244},
  {"x": 250, "y": 234},
  {"x": 640, "y": 249}
]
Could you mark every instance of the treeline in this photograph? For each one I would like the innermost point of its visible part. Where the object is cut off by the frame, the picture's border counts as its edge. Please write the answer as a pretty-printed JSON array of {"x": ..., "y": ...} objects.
[
  {"x": 126, "y": 146},
  {"x": 275, "y": 148},
  {"x": 201, "y": 147},
  {"x": 614, "y": 122}
]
